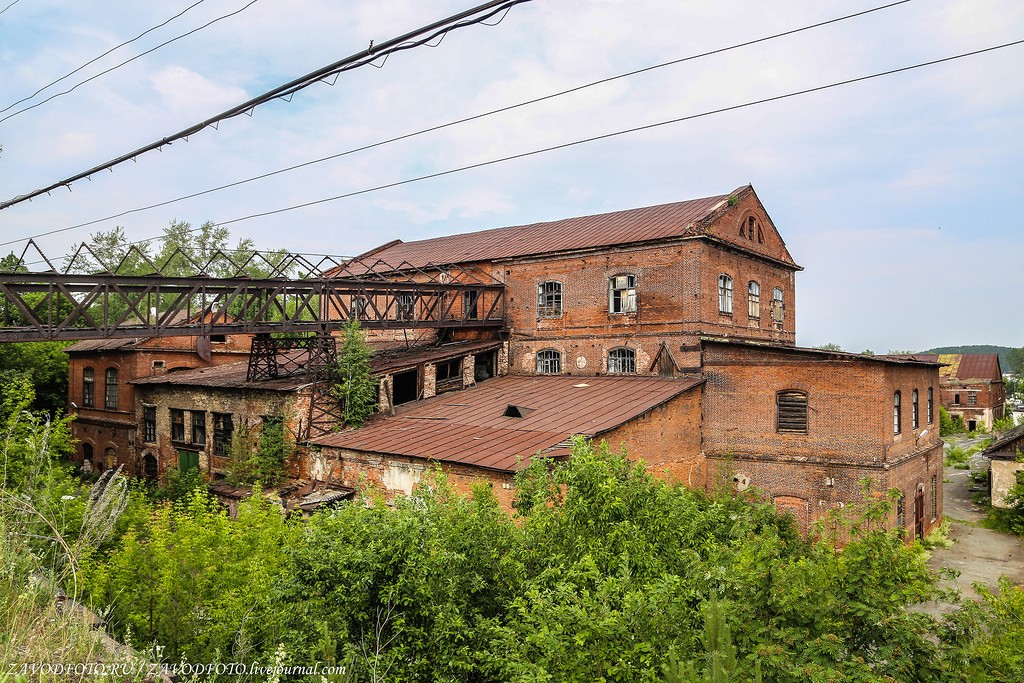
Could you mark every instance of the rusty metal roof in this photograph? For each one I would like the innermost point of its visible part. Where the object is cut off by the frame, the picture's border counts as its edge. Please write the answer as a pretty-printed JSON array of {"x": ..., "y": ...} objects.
[
  {"x": 632, "y": 226},
  {"x": 103, "y": 345},
  {"x": 971, "y": 366},
  {"x": 228, "y": 376},
  {"x": 387, "y": 360},
  {"x": 470, "y": 427},
  {"x": 1006, "y": 446}
]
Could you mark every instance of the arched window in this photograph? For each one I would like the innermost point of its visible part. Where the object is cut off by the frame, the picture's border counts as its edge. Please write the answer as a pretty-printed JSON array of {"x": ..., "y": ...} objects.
[
  {"x": 549, "y": 362},
  {"x": 549, "y": 299},
  {"x": 931, "y": 405},
  {"x": 88, "y": 387},
  {"x": 110, "y": 390},
  {"x": 622, "y": 294},
  {"x": 913, "y": 410},
  {"x": 897, "y": 417},
  {"x": 725, "y": 294},
  {"x": 778, "y": 308},
  {"x": 791, "y": 412},
  {"x": 621, "y": 361},
  {"x": 754, "y": 300}
]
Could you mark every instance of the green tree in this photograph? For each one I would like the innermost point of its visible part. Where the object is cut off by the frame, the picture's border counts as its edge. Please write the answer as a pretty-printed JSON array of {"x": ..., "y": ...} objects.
[
  {"x": 830, "y": 346},
  {"x": 354, "y": 386},
  {"x": 1015, "y": 359}
]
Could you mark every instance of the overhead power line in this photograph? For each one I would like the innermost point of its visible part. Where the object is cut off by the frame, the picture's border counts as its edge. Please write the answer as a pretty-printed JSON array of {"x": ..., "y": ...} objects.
[
  {"x": 96, "y": 59},
  {"x": 420, "y": 36},
  {"x": 9, "y": 6},
  {"x": 606, "y": 136},
  {"x": 449, "y": 124},
  {"x": 127, "y": 61}
]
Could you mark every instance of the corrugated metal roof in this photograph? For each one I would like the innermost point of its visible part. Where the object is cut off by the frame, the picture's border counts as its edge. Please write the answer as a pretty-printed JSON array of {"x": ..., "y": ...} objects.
[
  {"x": 632, "y": 226},
  {"x": 387, "y": 360},
  {"x": 976, "y": 366},
  {"x": 470, "y": 426}
]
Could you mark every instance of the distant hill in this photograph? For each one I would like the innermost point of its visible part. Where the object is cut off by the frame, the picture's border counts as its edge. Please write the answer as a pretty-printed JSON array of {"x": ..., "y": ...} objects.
[{"x": 976, "y": 348}]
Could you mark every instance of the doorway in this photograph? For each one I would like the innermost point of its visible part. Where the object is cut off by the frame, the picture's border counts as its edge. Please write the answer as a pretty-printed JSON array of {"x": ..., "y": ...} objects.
[{"x": 405, "y": 387}]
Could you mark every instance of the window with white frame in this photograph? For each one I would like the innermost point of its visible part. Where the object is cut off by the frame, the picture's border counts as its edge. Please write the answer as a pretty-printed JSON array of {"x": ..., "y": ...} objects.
[
  {"x": 913, "y": 410},
  {"x": 622, "y": 294},
  {"x": 725, "y": 294},
  {"x": 621, "y": 361},
  {"x": 754, "y": 300},
  {"x": 549, "y": 362},
  {"x": 897, "y": 415},
  {"x": 549, "y": 299},
  {"x": 931, "y": 405}
]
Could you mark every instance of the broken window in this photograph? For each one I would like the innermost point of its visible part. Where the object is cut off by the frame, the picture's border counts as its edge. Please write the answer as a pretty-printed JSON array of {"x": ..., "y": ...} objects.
[
  {"x": 754, "y": 300},
  {"x": 177, "y": 424},
  {"x": 359, "y": 307},
  {"x": 897, "y": 416},
  {"x": 110, "y": 390},
  {"x": 778, "y": 308},
  {"x": 549, "y": 362},
  {"x": 901, "y": 512},
  {"x": 931, "y": 405},
  {"x": 223, "y": 428},
  {"x": 913, "y": 410},
  {"x": 199, "y": 427},
  {"x": 621, "y": 361},
  {"x": 149, "y": 424},
  {"x": 725, "y": 294},
  {"x": 405, "y": 307},
  {"x": 549, "y": 299},
  {"x": 622, "y": 294},
  {"x": 471, "y": 304},
  {"x": 88, "y": 387},
  {"x": 791, "y": 412}
]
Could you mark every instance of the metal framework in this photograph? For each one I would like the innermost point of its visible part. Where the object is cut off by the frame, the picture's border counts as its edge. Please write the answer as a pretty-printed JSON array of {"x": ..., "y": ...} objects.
[{"x": 231, "y": 295}]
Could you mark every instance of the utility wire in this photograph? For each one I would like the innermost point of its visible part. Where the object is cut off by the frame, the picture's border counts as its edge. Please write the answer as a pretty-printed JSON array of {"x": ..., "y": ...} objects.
[
  {"x": 118, "y": 66},
  {"x": 611, "y": 135},
  {"x": 372, "y": 53},
  {"x": 96, "y": 59},
  {"x": 457, "y": 122},
  {"x": 9, "y": 6}
]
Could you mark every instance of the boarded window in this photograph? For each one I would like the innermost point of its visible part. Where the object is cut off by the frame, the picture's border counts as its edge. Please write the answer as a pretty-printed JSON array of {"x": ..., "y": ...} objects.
[
  {"x": 88, "y": 387},
  {"x": 549, "y": 362},
  {"x": 549, "y": 299},
  {"x": 621, "y": 361},
  {"x": 622, "y": 294},
  {"x": 791, "y": 409},
  {"x": 725, "y": 294},
  {"x": 754, "y": 300}
]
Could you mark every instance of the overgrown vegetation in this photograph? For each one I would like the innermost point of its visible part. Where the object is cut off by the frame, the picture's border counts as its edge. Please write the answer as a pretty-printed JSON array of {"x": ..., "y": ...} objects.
[
  {"x": 355, "y": 386},
  {"x": 950, "y": 424},
  {"x": 260, "y": 458}
]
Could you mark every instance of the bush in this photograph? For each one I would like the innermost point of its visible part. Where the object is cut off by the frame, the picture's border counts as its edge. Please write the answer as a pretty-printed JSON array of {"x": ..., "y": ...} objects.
[{"x": 949, "y": 424}]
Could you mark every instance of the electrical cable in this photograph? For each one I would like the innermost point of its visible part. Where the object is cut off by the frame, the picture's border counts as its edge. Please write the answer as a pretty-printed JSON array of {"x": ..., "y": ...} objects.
[
  {"x": 459, "y": 121},
  {"x": 403, "y": 42},
  {"x": 9, "y": 6},
  {"x": 96, "y": 59},
  {"x": 127, "y": 61},
  {"x": 606, "y": 136}
]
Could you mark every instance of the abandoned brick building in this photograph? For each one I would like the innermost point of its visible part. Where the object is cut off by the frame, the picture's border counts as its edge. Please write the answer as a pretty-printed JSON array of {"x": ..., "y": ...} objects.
[
  {"x": 1006, "y": 465},
  {"x": 971, "y": 387},
  {"x": 667, "y": 330}
]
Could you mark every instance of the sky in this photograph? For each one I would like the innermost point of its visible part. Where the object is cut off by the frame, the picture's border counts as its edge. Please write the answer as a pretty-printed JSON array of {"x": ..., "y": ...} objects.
[{"x": 898, "y": 195}]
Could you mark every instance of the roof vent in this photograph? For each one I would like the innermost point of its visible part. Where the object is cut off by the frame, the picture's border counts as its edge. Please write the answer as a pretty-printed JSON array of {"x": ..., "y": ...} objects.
[{"x": 516, "y": 411}]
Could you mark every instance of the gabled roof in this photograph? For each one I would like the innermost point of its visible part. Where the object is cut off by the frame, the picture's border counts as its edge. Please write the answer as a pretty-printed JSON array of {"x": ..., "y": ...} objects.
[
  {"x": 1006, "y": 446},
  {"x": 471, "y": 427},
  {"x": 965, "y": 367},
  {"x": 634, "y": 226}
]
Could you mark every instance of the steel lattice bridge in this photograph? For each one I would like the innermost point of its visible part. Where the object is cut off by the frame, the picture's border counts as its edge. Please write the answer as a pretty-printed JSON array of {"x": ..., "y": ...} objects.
[{"x": 231, "y": 293}]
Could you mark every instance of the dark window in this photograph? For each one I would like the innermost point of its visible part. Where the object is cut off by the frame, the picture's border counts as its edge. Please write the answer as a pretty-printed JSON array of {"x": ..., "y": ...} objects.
[
  {"x": 405, "y": 307},
  {"x": 897, "y": 413},
  {"x": 754, "y": 300},
  {"x": 549, "y": 299},
  {"x": 223, "y": 428},
  {"x": 621, "y": 361},
  {"x": 622, "y": 294},
  {"x": 913, "y": 410},
  {"x": 751, "y": 227},
  {"x": 791, "y": 412},
  {"x": 359, "y": 307},
  {"x": 901, "y": 512},
  {"x": 956, "y": 399},
  {"x": 199, "y": 427},
  {"x": 931, "y": 405},
  {"x": 935, "y": 501},
  {"x": 471, "y": 305},
  {"x": 778, "y": 308},
  {"x": 110, "y": 390},
  {"x": 88, "y": 387},
  {"x": 725, "y": 294},
  {"x": 549, "y": 362},
  {"x": 218, "y": 338},
  {"x": 177, "y": 424},
  {"x": 149, "y": 424}
]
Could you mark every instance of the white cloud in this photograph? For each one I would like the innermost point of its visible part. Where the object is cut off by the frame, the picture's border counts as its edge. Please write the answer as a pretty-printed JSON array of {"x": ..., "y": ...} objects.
[{"x": 188, "y": 92}]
